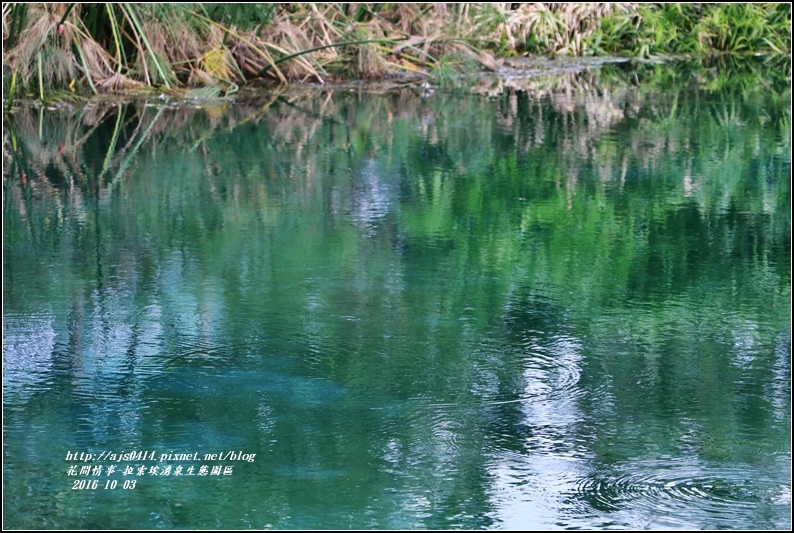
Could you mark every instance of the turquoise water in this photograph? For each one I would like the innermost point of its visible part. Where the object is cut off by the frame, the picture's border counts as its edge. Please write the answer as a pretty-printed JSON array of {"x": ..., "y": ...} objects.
[{"x": 558, "y": 308}]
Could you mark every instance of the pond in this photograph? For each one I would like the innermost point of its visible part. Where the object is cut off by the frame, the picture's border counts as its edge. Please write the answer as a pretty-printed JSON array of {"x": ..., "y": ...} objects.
[{"x": 563, "y": 306}]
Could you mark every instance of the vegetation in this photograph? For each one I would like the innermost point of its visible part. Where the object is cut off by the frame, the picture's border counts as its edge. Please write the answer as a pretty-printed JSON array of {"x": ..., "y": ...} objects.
[{"x": 91, "y": 48}]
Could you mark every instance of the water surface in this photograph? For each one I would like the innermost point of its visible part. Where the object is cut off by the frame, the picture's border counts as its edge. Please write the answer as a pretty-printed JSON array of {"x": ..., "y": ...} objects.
[{"x": 560, "y": 308}]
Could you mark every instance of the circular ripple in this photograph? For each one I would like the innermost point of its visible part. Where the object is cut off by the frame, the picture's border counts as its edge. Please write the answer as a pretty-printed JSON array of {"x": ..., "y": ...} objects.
[
  {"x": 553, "y": 369},
  {"x": 702, "y": 496}
]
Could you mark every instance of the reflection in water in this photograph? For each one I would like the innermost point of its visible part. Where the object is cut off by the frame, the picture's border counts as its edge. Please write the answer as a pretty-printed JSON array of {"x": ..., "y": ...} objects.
[
  {"x": 564, "y": 308},
  {"x": 27, "y": 353}
]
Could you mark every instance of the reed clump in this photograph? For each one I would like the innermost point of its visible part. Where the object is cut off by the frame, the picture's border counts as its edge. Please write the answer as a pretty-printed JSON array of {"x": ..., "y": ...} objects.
[{"x": 214, "y": 47}]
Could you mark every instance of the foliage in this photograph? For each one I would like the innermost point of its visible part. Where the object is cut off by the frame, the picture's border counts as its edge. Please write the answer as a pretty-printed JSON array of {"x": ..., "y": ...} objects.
[
  {"x": 677, "y": 28},
  {"x": 242, "y": 16},
  {"x": 116, "y": 46}
]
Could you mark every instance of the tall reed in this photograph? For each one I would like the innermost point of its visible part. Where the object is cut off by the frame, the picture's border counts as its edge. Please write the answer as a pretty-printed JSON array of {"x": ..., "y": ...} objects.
[{"x": 91, "y": 48}]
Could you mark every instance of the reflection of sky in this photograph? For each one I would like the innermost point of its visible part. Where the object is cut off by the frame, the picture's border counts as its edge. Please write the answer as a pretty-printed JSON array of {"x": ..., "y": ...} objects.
[
  {"x": 113, "y": 343},
  {"x": 28, "y": 343},
  {"x": 530, "y": 487},
  {"x": 373, "y": 196}
]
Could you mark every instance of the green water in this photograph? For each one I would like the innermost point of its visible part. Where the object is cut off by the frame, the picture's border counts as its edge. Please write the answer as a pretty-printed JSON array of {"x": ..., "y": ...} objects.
[{"x": 560, "y": 308}]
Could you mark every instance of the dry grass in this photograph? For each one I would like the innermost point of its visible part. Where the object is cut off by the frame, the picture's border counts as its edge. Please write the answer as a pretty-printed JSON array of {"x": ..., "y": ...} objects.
[
  {"x": 118, "y": 82},
  {"x": 557, "y": 28},
  {"x": 195, "y": 44}
]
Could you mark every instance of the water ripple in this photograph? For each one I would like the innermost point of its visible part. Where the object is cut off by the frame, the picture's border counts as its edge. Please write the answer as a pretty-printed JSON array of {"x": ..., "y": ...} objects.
[{"x": 653, "y": 491}]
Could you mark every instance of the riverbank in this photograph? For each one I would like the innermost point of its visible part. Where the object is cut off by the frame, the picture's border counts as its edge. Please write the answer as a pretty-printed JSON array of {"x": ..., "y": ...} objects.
[{"x": 60, "y": 51}]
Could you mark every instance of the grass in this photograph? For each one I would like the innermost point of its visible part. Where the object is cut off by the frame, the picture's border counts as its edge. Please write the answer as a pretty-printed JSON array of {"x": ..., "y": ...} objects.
[
  {"x": 678, "y": 28},
  {"x": 92, "y": 48}
]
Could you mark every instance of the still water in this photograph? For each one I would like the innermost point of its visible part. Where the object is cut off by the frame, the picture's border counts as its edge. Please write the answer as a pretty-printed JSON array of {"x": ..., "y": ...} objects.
[{"x": 563, "y": 307}]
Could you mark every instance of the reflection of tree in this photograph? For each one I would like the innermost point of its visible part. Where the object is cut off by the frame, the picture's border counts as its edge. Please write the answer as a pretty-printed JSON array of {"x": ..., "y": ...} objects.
[{"x": 472, "y": 261}]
